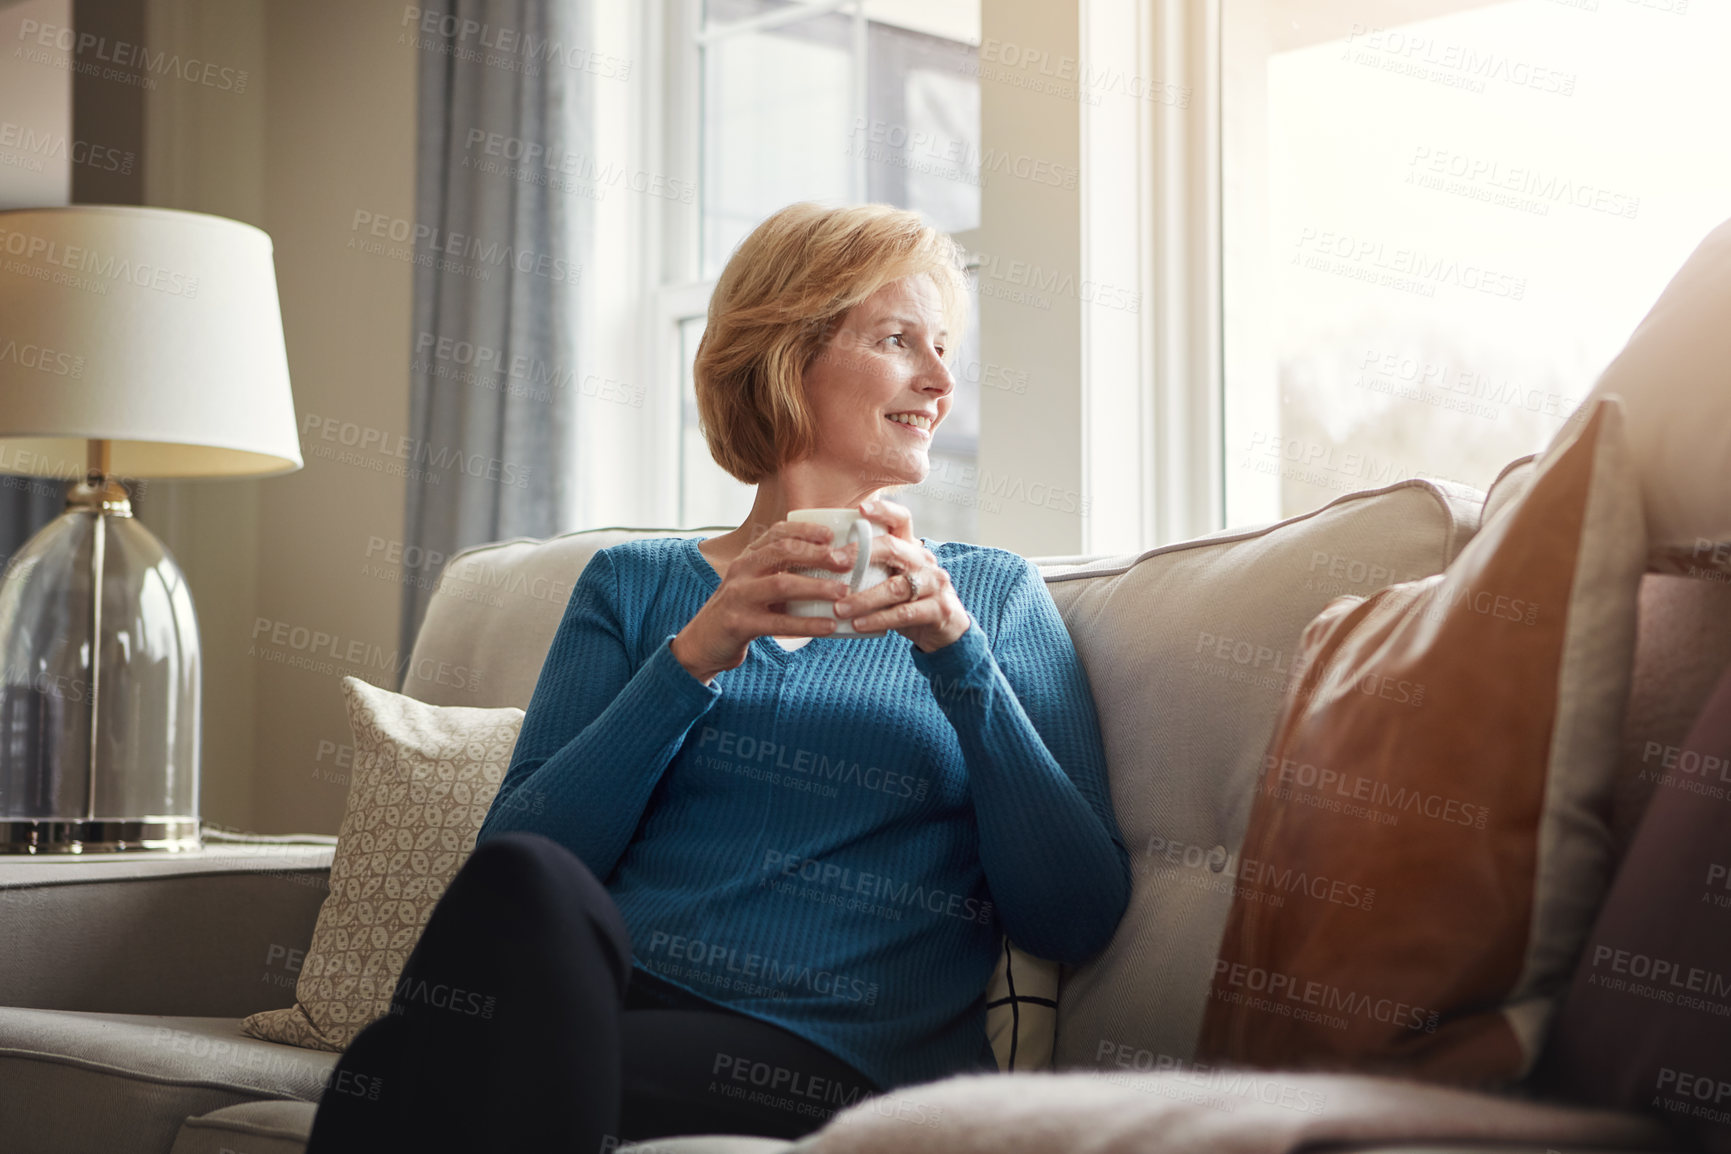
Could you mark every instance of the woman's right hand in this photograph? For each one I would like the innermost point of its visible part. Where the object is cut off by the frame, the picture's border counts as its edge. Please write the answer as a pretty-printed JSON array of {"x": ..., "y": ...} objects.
[{"x": 754, "y": 591}]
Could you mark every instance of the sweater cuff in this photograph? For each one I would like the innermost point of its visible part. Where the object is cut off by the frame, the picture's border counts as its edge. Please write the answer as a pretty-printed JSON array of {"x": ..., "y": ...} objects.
[
  {"x": 676, "y": 681},
  {"x": 964, "y": 660}
]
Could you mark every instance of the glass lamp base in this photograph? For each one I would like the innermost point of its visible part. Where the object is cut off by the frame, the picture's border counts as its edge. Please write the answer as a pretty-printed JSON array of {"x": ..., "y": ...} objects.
[{"x": 163, "y": 834}]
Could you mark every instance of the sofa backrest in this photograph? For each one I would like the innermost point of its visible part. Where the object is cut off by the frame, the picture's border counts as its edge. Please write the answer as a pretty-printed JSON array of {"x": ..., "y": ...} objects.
[{"x": 1187, "y": 649}]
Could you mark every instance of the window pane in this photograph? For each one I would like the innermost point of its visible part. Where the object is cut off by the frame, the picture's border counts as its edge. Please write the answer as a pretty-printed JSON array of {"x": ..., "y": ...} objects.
[
  {"x": 1438, "y": 233},
  {"x": 921, "y": 140},
  {"x": 776, "y": 110},
  {"x": 780, "y": 125}
]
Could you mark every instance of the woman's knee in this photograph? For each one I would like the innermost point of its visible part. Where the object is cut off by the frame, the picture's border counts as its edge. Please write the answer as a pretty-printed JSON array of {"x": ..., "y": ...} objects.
[{"x": 534, "y": 872}]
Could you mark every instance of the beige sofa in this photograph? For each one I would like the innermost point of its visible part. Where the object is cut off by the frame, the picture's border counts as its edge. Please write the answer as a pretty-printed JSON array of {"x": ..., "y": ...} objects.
[{"x": 124, "y": 981}]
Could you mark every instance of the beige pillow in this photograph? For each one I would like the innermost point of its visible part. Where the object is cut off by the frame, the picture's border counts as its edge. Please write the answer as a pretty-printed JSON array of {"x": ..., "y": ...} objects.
[
  {"x": 1424, "y": 878},
  {"x": 424, "y": 777}
]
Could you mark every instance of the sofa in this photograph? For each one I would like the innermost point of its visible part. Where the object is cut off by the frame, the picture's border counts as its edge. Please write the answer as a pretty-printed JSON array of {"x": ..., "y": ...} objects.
[{"x": 124, "y": 979}]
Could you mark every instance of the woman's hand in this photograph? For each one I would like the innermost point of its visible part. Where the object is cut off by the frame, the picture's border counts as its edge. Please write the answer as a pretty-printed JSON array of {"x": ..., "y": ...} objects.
[
  {"x": 753, "y": 592},
  {"x": 918, "y": 600}
]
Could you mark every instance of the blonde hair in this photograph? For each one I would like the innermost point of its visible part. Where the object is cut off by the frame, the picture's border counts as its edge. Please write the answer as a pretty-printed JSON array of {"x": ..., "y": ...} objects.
[{"x": 777, "y": 303}]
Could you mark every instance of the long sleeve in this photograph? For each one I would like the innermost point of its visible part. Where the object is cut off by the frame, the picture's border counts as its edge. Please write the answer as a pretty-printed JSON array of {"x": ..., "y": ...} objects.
[
  {"x": 597, "y": 735},
  {"x": 1053, "y": 856}
]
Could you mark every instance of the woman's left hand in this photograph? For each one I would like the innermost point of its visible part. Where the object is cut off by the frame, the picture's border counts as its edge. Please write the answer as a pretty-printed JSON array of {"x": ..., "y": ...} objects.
[{"x": 917, "y": 600}]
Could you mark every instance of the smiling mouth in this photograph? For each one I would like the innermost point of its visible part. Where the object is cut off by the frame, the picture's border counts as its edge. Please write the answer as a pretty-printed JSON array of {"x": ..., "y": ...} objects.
[{"x": 916, "y": 421}]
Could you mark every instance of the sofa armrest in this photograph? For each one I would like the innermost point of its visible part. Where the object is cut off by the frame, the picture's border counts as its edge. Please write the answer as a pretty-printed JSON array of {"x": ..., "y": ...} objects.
[{"x": 215, "y": 933}]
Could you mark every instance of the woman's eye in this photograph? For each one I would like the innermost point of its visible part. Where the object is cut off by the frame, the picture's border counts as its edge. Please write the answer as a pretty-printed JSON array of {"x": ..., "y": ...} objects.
[{"x": 897, "y": 337}]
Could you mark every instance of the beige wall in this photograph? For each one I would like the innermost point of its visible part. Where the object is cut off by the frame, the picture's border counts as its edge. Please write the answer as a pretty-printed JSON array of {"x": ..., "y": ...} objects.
[
  {"x": 324, "y": 128},
  {"x": 37, "y": 101}
]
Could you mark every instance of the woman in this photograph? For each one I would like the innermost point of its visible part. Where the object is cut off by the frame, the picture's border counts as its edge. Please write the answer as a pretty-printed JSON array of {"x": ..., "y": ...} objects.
[{"x": 766, "y": 871}]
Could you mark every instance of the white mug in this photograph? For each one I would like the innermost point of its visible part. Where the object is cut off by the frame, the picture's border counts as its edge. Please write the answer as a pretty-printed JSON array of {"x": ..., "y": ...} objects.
[{"x": 848, "y": 525}]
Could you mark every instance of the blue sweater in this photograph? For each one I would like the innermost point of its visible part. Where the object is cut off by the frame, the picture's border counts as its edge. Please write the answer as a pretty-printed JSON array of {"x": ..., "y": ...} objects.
[{"x": 830, "y": 838}]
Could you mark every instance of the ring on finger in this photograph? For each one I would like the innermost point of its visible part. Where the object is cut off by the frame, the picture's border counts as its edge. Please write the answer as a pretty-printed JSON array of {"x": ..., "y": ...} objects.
[{"x": 913, "y": 584}]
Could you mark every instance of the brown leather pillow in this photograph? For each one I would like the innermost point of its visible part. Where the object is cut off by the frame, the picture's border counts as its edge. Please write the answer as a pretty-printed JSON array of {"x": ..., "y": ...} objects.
[
  {"x": 1647, "y": 1022},
  {"x": 1430, "y": 840}
]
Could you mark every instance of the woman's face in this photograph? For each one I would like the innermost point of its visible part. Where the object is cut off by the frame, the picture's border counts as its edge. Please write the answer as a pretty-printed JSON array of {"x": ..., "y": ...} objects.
[{"x": 878, "y": 389}]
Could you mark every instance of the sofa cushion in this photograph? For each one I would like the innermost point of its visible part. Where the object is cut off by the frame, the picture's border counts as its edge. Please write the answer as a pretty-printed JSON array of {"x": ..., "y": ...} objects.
[
  {"x": 284, "y": 1127},
  {"x": 1188, "y": 649},
  {"x": 424, "y": 778},
  {"x": 1477, "y": 819},
  {"x": 208, "y": 933},
  {"x": 77, "y": 1082},
  {"x": 279, "y": 1127},
  {"x": 495, "y": 611}
]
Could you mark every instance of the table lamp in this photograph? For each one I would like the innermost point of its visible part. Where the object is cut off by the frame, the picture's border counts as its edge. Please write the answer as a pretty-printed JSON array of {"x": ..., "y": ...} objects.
[{"x": 135, "y": 343}]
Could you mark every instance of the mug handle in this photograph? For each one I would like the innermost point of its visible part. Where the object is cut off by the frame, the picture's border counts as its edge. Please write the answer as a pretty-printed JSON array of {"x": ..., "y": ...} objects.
[{"x": 860, "y": 533}]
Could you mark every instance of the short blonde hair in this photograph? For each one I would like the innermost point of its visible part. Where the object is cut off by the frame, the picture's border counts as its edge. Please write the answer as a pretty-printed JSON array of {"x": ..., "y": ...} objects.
[{"x": 777, "y": 303}]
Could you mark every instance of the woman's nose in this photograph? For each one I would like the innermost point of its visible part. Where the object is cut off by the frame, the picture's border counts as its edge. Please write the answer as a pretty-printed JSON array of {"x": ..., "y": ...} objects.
[{"x": 935, "y": 375}]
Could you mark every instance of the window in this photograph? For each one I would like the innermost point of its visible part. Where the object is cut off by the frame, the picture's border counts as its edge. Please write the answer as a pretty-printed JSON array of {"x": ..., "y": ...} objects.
[
  {"x": 1438, "y": 231},
  {"x": 839, "y": 103}
]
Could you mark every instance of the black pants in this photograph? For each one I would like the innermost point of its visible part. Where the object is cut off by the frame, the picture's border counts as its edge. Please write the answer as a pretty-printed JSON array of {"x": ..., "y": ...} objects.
[{"x": 517, "y": 1025}]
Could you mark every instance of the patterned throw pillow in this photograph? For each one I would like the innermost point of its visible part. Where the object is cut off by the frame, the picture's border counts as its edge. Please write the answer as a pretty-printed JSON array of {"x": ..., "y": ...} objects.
[
  {"x": 424, "y": 777},
  {"x": 1022, "y": 1010},
  {"x": 1418, "y": 879}
]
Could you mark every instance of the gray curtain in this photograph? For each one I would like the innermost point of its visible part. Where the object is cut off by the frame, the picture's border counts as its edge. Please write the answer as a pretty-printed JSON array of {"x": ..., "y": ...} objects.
[
  {"x": 503, "y": 144},
  {"x": 27, "y": 504}
]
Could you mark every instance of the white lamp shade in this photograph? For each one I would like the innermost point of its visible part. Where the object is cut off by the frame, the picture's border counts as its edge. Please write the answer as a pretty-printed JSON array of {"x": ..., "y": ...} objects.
[{"x": 156, "y": 330}]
